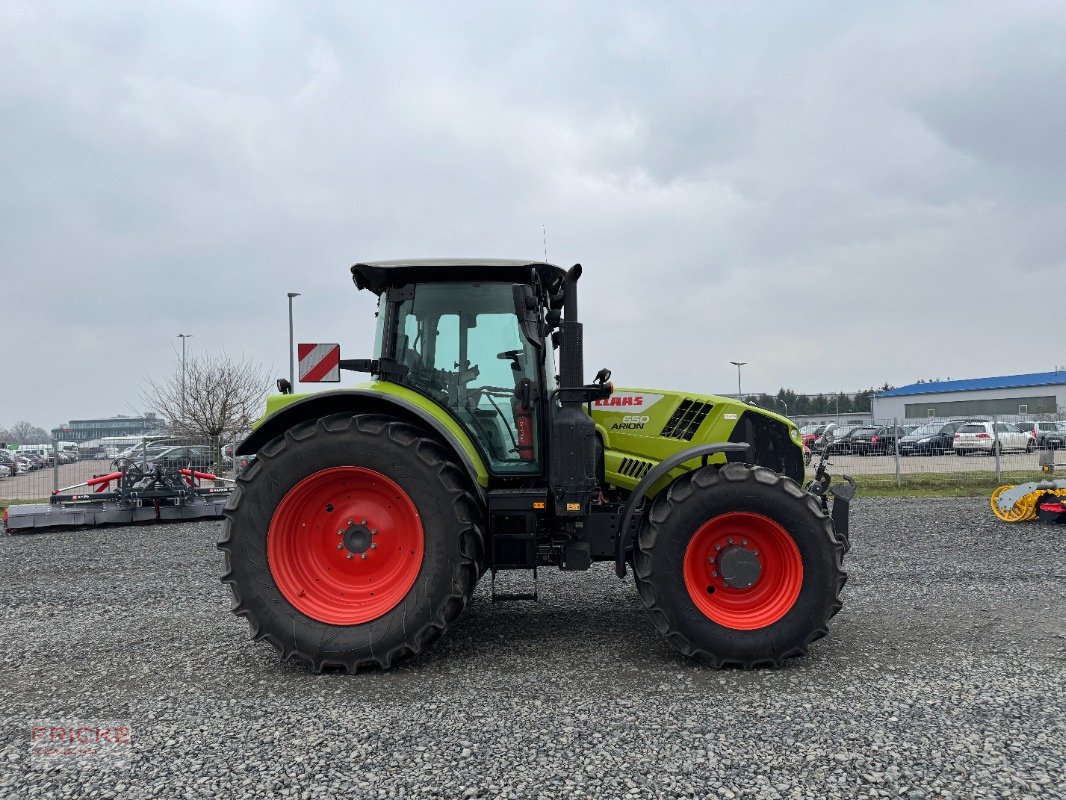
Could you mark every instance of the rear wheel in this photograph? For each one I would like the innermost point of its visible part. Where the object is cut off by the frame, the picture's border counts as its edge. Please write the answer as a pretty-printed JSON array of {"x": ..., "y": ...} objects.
[
  {"x": 351, "y": 541},
  {"x": 739, "y": 566}
]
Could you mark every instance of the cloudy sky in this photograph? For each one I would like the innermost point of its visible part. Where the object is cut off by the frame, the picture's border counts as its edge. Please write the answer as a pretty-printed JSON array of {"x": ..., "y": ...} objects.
[{"x": 841, "y": 194}]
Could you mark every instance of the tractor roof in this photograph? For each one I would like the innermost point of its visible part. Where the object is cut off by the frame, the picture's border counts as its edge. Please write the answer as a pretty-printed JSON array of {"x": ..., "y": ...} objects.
[{"x": 377, "y": 275}]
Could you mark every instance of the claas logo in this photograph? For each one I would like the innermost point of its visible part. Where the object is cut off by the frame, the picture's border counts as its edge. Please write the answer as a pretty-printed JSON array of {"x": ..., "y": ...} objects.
[{"x": 631, "y": 400}]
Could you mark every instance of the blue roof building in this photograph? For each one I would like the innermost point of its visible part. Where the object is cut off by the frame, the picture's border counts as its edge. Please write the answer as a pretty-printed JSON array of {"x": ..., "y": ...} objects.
[{"x": 1005, "y": 395}]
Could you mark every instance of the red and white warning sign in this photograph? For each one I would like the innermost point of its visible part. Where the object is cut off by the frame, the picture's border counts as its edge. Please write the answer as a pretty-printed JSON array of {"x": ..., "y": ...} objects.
[{"x": 319, "y": 363}]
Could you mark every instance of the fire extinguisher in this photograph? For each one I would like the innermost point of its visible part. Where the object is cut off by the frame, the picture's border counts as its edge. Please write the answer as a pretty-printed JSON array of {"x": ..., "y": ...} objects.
[{"x": 523, "y": 417}]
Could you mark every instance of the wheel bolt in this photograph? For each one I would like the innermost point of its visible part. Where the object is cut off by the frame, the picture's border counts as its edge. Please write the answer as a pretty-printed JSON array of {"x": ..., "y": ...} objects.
[
  {"x": 363, "y": 556},
  {"x": 731, "y": 540},
  {"x": 351, "y": 522},
  {"x": 364, "y": 522},
  {"x": 744, "y": 541},
  {"x": 349, "y": 556},
  {"x": 711, "y": 559},
  {"x": 714, "y": 574},
  {"x": 340, "y": 546},
  {"x": 340, "y": 533},
  {"x": 373, "y": 533},
  {"x": 373, "y": 545}
]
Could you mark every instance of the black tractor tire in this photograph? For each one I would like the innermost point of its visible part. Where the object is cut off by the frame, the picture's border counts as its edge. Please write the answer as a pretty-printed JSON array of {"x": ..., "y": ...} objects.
[
  {"x": 452, "y": 520},
  {"x": 702, "y": 495}
]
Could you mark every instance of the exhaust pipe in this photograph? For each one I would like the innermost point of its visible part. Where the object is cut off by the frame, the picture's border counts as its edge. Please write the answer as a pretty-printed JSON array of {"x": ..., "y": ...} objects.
[
  {"x": 571, "y": 343},
  {"x": 570, "y": 292}
]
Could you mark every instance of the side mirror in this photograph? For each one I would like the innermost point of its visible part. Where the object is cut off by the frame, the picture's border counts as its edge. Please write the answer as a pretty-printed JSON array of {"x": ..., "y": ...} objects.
[{"x": 827, "y": 434}]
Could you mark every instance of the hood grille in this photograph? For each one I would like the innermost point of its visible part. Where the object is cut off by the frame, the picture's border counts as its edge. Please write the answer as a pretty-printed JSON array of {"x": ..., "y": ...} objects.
[{"x": 686, "y": 420}]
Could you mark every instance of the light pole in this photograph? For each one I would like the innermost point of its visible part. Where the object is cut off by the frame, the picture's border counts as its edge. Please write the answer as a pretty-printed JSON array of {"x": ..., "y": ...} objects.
[
  {"x": 183, "y": 337},
  {"x": 738, "y": 365},
  {"x": 783, "y": 403},
  {"x": 292, "y": 367}
]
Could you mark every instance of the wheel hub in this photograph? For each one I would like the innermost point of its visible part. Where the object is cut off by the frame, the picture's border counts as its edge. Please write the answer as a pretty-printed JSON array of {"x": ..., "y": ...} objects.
[
  {"x": 739, "y": 567},
  {"x": 357, "y": 538}
]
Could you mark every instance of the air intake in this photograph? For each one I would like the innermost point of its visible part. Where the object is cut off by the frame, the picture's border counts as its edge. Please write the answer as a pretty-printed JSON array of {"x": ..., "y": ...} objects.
[
  {"x": 634, "y": 467},
  {"x": 686, "y": 420}
]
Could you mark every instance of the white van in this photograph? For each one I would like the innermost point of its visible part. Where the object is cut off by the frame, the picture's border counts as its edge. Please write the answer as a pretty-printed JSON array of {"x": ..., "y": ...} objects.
[{"x": 42, "y": 450}]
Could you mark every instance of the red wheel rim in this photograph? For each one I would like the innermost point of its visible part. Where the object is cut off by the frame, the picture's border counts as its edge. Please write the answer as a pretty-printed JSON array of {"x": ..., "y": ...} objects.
[
  {"x": 774, "y": 590},
  {"x": 337, "y": 513}
]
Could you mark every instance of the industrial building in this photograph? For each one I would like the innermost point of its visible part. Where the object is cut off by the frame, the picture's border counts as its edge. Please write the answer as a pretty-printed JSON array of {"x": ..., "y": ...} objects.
[
  {"x": 1006, "y": 395},
  {"x": 84, "y": 430}
]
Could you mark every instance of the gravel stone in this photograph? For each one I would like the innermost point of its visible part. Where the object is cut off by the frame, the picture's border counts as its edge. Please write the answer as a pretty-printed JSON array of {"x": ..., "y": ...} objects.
[{"x": 943, "y": 676}]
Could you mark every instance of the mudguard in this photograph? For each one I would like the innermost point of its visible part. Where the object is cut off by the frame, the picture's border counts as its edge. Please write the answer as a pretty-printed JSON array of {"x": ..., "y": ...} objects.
[
  {"x": 649, "y": 480},
  {"x": 412, "y": 408}
]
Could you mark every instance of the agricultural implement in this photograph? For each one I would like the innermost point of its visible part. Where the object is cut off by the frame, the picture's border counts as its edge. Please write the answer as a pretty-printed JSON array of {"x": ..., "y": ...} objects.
[
  {"x": 1044, "y": 500},
  {"x": 136, "y": 492},
  {"x": 359, "y": 532}
]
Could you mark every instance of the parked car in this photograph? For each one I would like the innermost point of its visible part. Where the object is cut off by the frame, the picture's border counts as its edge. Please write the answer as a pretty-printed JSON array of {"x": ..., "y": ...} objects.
[
  {"x": 198, "y": 457},
  {"x": 934, "y": 438},
  {"x": 986, "y": 437},
  {"x": 869, "y": 440},
  {"x": 33, "y": 461},
  {"x": 818, "y": 445},
  {"x": 5, "y": 470},
  {"x": 1041, "y": 430},
  {"x": 1052, "y": 439},
  {"x": 14, "y": 463},
  {"x": 841, "y": 444},
  {"x": 810, "y": 432}
]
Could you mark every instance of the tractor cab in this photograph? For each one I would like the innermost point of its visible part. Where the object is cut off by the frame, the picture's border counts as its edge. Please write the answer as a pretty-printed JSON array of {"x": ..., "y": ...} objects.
[{"x": 476, "y": 337}]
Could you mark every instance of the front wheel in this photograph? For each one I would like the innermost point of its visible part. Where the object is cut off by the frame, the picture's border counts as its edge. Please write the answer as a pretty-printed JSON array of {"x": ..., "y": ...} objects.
[{"x": 739, "y": 566}]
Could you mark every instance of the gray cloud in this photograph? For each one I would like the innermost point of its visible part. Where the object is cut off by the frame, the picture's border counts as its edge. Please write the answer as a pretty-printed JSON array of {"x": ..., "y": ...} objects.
[{"x": 719, "y": 169}]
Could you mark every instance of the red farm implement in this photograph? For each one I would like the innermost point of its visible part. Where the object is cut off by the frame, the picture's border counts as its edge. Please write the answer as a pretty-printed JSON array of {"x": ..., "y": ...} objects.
[{"x": 137, "y": 492}]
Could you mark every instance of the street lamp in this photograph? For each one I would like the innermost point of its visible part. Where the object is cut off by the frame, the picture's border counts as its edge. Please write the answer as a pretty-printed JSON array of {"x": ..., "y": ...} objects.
[
  {"x": 738, "y": 365},
  {"x": 292, "y": 367},
  {"x": 183, "y": 337}
]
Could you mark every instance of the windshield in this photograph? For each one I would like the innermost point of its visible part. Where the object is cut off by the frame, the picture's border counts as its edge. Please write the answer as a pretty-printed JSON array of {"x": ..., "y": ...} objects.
[{"x": 927, "y": 430}]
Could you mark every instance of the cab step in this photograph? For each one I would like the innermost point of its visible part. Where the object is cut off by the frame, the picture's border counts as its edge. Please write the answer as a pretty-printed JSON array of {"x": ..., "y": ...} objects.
[{"x": 504, "y": 597}]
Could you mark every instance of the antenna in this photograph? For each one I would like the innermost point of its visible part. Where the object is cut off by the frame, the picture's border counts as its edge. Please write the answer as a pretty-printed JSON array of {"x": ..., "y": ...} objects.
[{"x": 544, "y": 233}]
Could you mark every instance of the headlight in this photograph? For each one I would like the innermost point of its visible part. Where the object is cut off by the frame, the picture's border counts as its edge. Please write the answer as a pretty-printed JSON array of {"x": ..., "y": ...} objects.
[
  {"x": 795, "y": 435},
  {"x": 923, "y": 441}
]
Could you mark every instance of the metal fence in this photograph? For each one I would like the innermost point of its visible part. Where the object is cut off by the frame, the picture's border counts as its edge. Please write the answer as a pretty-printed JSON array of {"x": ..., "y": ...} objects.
[
  {"x": 36, "y": 471},
  {"x": 999, "y": 447},
  {"x": 1007, "y": 452}
]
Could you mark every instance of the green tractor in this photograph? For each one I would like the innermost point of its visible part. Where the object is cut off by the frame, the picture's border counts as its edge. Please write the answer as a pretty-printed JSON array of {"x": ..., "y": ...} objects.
[{"x": 360, "y": 529}]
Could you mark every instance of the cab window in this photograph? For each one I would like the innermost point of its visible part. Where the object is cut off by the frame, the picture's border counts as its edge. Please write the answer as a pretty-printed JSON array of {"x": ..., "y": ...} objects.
[{"x": 463, "y": 348}]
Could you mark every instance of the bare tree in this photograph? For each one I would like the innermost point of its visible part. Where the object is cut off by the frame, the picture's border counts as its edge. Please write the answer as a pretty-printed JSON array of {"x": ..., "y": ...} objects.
[
  {"x": 218, "y": 394},
  {"x": 24, "y": 432}
]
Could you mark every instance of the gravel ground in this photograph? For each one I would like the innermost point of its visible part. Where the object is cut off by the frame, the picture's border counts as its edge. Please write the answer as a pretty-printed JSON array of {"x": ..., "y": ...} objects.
[{"x": 944, "y": 676}]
